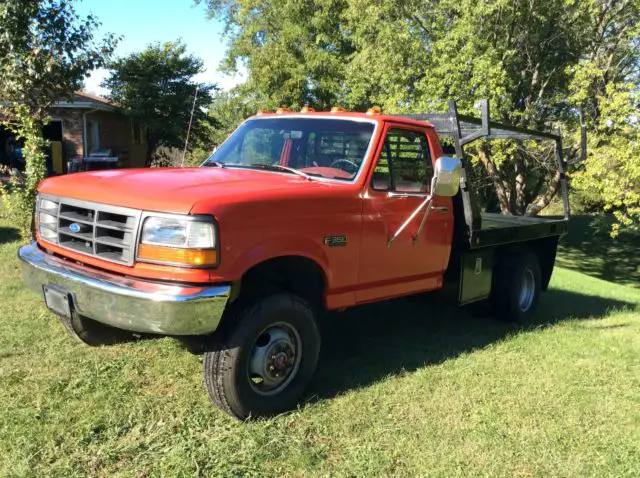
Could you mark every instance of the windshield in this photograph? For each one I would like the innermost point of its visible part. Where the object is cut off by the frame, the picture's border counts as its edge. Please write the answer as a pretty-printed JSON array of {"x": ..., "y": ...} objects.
[{"x": 330, "y": 148}]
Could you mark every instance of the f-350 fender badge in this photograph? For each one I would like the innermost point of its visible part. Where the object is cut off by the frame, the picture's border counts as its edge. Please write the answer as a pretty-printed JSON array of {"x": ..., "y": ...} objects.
[{"x": 335, "y": 241}]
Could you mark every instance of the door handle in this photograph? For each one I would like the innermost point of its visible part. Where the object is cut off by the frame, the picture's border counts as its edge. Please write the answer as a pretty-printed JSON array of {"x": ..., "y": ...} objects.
[{"x": 440, "y": 208}]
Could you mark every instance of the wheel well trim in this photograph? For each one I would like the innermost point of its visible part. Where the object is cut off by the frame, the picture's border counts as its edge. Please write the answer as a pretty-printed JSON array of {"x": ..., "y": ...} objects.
[{"x": 299, "y": 255}]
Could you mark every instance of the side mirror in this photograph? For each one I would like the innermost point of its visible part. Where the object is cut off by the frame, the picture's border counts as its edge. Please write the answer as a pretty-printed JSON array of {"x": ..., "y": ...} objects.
[{"x": 446, "y": 178}]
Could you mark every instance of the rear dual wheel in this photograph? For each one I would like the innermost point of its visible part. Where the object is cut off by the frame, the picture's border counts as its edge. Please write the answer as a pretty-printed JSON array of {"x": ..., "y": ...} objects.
[
  {"x": 516, "y": 287},
  {"x": 264, "y": 358}
]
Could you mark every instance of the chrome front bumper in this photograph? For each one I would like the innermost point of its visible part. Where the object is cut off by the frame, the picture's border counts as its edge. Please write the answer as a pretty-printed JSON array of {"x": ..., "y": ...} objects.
[{"x": 127, "y": 303}]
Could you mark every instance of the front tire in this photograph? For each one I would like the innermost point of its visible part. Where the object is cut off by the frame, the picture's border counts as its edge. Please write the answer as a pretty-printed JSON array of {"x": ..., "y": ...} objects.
[
  {"x": 94, "y": 333},
  {"x": 264, "y": 358}
]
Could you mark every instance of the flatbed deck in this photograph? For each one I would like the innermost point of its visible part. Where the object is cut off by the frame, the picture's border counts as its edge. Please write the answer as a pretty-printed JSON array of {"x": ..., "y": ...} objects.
[{"x": 497, "y": 229}]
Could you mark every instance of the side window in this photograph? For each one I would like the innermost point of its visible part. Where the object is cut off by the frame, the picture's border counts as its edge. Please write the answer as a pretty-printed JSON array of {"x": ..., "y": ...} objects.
[{"x": 404, "y": 164}]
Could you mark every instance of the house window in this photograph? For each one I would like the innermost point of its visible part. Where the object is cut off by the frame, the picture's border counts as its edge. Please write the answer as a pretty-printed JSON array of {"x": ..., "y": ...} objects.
[{"x": 404, "y": 164}]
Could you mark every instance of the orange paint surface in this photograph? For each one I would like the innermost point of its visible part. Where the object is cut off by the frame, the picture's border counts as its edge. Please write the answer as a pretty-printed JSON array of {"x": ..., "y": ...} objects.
[{"x": 265, "y": 214}]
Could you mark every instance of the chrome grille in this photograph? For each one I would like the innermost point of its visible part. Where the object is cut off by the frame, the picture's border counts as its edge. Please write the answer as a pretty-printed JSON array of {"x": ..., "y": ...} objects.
[{"x": 98, "y": 230}]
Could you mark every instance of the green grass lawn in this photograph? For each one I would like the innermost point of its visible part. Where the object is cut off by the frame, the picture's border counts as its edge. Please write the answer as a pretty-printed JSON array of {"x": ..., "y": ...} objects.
[{"x": 405, "y": 388}]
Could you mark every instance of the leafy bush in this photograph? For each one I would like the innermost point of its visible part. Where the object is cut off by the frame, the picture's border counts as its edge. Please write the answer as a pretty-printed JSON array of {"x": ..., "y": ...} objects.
[{"x": 18, "y": 196}]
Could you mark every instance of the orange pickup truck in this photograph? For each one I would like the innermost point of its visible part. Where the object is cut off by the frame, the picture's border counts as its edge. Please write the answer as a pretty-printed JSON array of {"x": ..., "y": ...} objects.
[{"x": 294, "y": 214}]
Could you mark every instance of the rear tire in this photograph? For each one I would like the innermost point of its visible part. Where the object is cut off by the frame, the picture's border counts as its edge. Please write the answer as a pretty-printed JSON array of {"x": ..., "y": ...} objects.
[
  {"x": 94, "y": 333},
  {"x": 516, "y": 287},
  {"x": 262, "y": 361}
]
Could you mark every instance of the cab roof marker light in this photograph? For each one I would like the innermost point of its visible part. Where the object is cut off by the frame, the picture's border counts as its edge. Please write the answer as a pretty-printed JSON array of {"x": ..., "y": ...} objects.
[
  {"x": 338, "y": 109},
  {"x": 375, "y": 110},
  {"x": 282, "y": 110},
  {"x": 262, "y": 112},
  {"x": 307, "y": 109}
]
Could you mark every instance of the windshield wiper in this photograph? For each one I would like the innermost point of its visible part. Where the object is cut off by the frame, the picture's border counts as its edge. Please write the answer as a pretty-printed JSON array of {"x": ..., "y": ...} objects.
[
  {"x": 279, "y": 167},
  {"x": 217, "y": 164}
]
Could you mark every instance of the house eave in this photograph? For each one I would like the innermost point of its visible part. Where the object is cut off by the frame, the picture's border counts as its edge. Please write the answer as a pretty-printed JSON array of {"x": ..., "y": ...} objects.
[{"x": 83, "y": 105}]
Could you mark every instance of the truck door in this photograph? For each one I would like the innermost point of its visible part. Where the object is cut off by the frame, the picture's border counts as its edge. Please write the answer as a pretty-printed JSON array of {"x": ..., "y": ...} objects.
[{"x": 398, "y": 186}]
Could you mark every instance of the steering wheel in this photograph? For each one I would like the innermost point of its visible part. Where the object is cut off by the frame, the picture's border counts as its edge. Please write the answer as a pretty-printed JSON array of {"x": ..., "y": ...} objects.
[{"x": 347, "y": 162}]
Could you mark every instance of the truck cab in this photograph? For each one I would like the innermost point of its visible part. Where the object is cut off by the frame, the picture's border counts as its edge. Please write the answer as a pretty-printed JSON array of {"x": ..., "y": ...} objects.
[{"x": 295, "y": 213}]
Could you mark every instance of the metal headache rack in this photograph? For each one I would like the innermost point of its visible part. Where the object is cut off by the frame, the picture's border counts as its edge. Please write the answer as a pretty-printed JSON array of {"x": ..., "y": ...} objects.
[
  {"x": 463, "y": 130},
  {"x": 469, "y": 128}
]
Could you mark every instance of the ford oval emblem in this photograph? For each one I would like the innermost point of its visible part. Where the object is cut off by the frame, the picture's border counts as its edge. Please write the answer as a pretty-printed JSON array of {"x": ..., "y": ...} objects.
[{"x": 74, "y": 227}]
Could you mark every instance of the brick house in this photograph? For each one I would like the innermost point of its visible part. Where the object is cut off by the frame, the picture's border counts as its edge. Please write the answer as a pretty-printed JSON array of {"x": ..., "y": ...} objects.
[{"x": 87, "y": 127}]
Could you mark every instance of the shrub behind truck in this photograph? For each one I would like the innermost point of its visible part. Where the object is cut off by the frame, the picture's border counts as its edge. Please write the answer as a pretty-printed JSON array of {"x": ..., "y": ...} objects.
[{"x": 295, "y": 213}]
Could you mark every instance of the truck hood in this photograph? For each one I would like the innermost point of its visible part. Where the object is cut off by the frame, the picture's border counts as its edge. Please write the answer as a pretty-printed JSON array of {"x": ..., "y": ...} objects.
[{"x": 174, "y": 190}]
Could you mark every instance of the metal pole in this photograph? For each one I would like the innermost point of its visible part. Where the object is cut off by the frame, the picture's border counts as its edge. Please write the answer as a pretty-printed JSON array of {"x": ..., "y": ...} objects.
[
  {"x": 186, "y": 141},
  {"x": 563, "y": 179},
  {"x": 424, "y": 203}
]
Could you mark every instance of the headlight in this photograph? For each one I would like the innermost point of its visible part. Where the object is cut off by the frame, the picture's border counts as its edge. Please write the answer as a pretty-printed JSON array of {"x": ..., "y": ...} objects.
[
  {"x": 175, "y": 240},
  {"x": 46, "y": 219},
  {"x": 47, "y": 205}
]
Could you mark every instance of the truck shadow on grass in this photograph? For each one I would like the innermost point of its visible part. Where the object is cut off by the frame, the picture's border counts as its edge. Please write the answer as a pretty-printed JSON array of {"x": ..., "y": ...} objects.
[
  {"x": 8, "y": 234},
  {"x": 366, "y": 344}
]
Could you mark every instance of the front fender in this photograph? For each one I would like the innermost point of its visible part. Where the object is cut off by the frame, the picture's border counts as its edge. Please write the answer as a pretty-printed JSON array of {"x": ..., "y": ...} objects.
[{"x": 282, "y": 246}]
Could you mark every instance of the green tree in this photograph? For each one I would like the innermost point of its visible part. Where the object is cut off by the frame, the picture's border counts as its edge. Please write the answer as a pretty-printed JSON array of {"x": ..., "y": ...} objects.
[
  {"x": 403, "y": 54},
  {"x": 230, "y": 109},
  {"x": 606, "y": 85},
  {"x": 412, "y": 55},
  {"x": 157, "y": 87},
  {"x": 227, "y": 110},
  {"x": 294, "y": 50},
  {"x": 46, "y": 51}
]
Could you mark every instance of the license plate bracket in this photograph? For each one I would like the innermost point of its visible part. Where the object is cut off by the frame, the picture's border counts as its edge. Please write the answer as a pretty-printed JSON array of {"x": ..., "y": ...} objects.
[{"x": 57, "y": 300}]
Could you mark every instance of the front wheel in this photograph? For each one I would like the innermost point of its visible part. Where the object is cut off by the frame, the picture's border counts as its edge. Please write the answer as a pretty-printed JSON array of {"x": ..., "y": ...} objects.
[{"x": 264, "y": 359}]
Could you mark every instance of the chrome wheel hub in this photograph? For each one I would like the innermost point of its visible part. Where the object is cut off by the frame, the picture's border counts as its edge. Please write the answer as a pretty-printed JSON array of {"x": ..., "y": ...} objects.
[
  {"x": 527, "y": 290},
  {"x": 274, "y": 359}
]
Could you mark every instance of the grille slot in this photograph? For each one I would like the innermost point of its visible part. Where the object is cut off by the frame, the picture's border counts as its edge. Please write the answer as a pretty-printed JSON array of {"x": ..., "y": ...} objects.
[
  {"x": 76, "y": 214},
  {"x": 98, "y": 230},
  {"x": 109, "y": 253},
  {"x": 85, "y": 231},
  {"x": 116, "y": 221},
  {"x": 75, "y": 243},
  {"x": 114, "y": 237}
]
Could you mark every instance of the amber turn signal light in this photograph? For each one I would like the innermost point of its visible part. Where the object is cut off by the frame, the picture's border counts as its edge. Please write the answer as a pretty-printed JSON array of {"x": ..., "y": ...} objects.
[{"x": 173, "y": 255}]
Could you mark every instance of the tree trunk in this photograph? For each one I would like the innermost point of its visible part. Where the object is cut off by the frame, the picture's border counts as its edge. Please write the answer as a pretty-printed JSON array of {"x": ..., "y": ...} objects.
[
  {"x": 494, "y": 174},
  {"x": 543, "y": 200},
  {"x": 152, "y": 144},
  {"x": 520, "y": 201}
]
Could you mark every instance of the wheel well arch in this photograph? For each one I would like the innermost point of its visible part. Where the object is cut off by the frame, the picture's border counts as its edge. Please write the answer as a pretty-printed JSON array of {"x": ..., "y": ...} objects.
[
  {"x": 297, "y": 274},
  {"x": 544, "y": 249}
]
